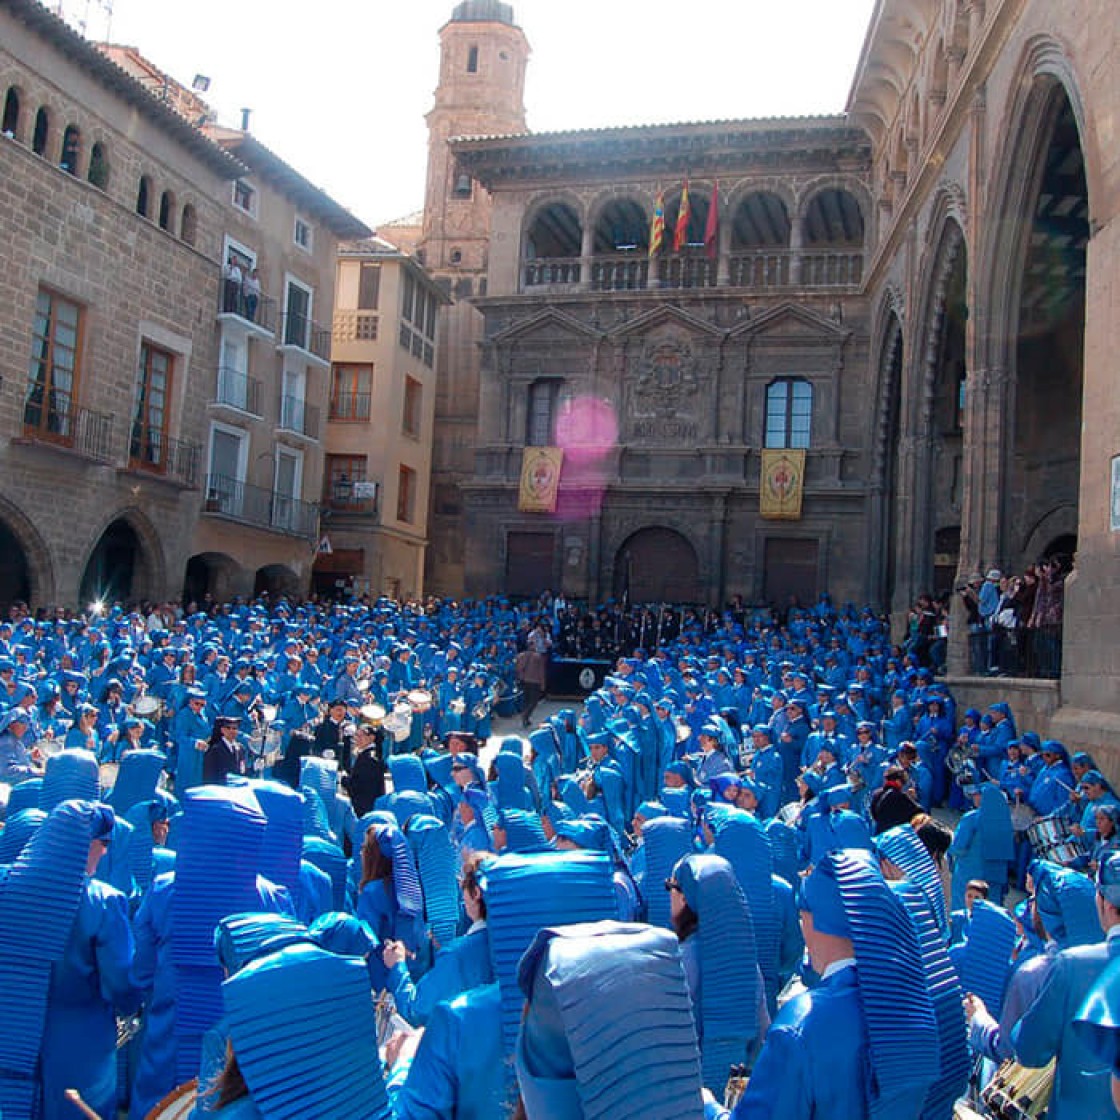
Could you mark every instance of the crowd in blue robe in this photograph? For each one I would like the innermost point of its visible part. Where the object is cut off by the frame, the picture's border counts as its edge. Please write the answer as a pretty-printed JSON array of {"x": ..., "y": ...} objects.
[{"x": 693, "y": 795}]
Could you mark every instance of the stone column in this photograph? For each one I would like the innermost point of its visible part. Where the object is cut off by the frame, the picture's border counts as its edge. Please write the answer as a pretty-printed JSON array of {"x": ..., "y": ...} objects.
[
  {"x": 586, "y": 252},
  {"x": 717, "y": 533}
]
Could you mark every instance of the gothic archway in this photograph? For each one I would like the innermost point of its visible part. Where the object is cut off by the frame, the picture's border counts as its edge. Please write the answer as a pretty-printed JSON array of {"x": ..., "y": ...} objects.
[
  {"x": 1044, "y": 467},
  {"x": 26, "y": 570},
  {"x": 657, "y": 565},
  {"x": 209, "y": 574},
  {"x": 114, "y": 570}
]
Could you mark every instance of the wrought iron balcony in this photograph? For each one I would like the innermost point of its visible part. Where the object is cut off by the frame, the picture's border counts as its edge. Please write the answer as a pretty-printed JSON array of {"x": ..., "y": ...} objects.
[
  {"x": 351, "y": 496},
  {"x": 261, "y": 312},
  {"x": 152, "y": 449},
  {"x": 349, "y": 406},
  {"x": 296, "y": 415},
  {"x": 298, "y": 330},
  {"x": 58, "y": 420},
  {"x": 238, "y": 390},
  {"x": 254, "y": 505}
]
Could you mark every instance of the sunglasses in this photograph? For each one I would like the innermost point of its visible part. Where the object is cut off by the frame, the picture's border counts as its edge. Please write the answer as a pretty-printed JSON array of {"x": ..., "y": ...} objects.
[{"x": 672, "y": 885}]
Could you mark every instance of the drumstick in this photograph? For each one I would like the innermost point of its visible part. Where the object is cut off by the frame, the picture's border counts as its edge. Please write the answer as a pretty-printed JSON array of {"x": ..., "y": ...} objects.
[{"x": 75, "y": 1098}]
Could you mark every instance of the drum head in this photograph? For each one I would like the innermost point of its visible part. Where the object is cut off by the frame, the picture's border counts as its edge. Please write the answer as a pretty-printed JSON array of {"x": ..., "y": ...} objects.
[
  {"x": 108, "y": 774},
  {"x": 178, "y": 1104},
  {"x": 146, "y": 706}
]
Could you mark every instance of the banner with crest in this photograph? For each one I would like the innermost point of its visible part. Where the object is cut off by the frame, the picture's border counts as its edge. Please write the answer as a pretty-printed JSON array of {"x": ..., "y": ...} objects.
[
  {"x": 540, "y": 479},
  {"x": 781, "y": 483}
]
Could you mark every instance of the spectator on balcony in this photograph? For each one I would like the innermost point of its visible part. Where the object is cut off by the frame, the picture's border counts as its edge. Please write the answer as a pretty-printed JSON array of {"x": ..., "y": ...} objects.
[
  {"x": 232, "y": 283},
  {"x": 251, "y": 291}
]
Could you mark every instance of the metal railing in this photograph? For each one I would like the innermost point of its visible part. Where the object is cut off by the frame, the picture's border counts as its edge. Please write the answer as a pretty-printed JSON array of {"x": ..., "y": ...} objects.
[
  {"x": 254, "y": 505},
  {"x": 296, "y": 415},
  {"x": 350, "y": 326},
  {"x": 61, "y": 421},
  {"x": 298, "y": 330},
  {"x": 238, "y": 390},
  {"x": 349, "y": 406},
  {"x": 351, "y": 495},
  {"x": 152, "y": 449},
  {"x": 233, "y": 301}
]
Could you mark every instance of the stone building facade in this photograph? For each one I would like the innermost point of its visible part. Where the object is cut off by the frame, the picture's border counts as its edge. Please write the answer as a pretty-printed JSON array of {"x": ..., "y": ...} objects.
[
  {"x": 662, "y": 375},
  {"x": 961, "y": 401},
  {"x": 118, "y": 346},
  {"x": 376, "y": 484}
]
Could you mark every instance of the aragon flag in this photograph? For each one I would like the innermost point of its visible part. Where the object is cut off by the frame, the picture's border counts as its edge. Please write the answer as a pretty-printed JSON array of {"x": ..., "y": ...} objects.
[{"x": 657, "y": 226}]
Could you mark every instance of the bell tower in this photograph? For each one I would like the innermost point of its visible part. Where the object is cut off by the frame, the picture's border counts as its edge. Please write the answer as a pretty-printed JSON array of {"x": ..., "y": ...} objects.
[{"x": 483, "y": 56}]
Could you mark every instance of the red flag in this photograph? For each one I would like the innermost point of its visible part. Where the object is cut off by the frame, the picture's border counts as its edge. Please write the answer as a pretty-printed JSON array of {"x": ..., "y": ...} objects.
[
  {"x": 680, "y": 231},
  {"x": 711, "y": 227},
  {"x": 657, "y": 226}
]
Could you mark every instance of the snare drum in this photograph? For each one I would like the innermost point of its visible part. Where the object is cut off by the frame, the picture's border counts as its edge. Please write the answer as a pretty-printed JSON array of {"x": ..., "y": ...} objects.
[
  {"x": 48, "y": 747},
  {"x": 108, "y": 775},
  {"x": 148, "y": 707},
  {"x": 1046, "y": 832},
  {"x": 398, "y": 722},
  {"x": 419, "y": 700},
  {"x": 178, "y": 1104},
  {"x": 1067, "y": 853}
]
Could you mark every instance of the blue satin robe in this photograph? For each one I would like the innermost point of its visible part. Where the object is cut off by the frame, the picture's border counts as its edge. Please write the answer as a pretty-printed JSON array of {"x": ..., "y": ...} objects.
[
  {"x": 1082, "y": 1083},
  {"x": 463, "y": 965},
  {"x": 87, "y": 986},
  {"x": 458, "y": 1070},
  {"x": 814, "y": 1059},
  {"x": 154, "y": 974}
]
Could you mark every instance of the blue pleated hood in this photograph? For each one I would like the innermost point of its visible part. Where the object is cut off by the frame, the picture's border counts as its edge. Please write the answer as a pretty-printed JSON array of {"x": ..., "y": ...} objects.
[
  {"x": 578, "y": 1055},
  {"x": 301, "y": 1022},
  {"x": 728, "y": 963}
]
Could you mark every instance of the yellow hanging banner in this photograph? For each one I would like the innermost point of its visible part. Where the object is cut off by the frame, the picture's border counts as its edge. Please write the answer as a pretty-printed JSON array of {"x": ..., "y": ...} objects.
[
  {"x": 781, "y": 483},
  {"x": 540, "y": 479}
]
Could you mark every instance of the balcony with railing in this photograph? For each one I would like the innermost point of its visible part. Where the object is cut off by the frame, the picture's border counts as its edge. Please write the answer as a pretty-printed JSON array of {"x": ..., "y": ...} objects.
[
  {"x": 302, "y": 333},
  {"x": 58, "y": 420},
  {"x": 154, "y": 451},
  {"x": 238, "y": 390},
  {"x": 257, "y": 315},
  {"x": 266, "y": 509},
  {"x": 754, "y": 270},
  {"x": 349, "y": 407},
  {"x": 297, "y": 416},
  {"x": 351, "y": 497}
]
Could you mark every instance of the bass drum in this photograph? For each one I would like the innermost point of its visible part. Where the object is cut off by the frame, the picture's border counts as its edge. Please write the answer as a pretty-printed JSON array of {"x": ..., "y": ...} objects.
[{"x": 178, "y": 1104}]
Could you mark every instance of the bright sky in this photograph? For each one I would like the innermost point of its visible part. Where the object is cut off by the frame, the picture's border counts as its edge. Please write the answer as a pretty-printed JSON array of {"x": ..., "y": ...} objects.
[{"x": 339, "y": 88}]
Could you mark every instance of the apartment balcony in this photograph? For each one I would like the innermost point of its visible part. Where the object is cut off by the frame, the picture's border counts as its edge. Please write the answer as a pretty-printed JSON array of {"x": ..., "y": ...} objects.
[
  {"x": 152, "y": 450},
  {"x": 748, "y": 270},
  {"x": 298, "y": 332},
  {"x": 246, "y": 315},
  {"x": 354, "y": 497},
  {"x": 60, "y": 422},
  {"x": 299, "y": 417},
  {"x": 234, "y": 500},
  {"x": 349, "y": 407},
  {"x": 238, "y": 390}
]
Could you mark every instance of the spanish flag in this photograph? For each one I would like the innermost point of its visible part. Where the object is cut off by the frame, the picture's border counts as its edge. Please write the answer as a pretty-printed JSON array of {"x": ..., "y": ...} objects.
[
  {"x": 680, "y": 230},
  {"x": 657, "y": 226}
]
